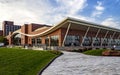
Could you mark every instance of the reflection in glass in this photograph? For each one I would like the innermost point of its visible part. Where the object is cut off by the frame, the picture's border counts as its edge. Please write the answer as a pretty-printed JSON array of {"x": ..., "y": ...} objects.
[
  {"x": 72, "y": 40},
  {"x": 54, "y": 40}
]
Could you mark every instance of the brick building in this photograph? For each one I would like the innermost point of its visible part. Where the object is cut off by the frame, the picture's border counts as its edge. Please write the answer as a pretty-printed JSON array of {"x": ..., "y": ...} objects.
[
  {"x": 8, "y": 26},
  {"x": 69, "y": 32}
]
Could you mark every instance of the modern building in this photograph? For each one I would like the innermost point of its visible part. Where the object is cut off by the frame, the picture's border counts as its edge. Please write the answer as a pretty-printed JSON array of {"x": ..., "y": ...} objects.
[
  {"x": 8, "y": 26},
  {"x": 68, "y": 33}
]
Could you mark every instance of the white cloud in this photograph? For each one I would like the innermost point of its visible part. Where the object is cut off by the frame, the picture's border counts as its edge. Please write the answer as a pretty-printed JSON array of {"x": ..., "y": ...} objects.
[
  {"x": 111, "y": 22},
  {"x": 98, "y": 9},
  {"x": 39, "y": 11},
  {"x": 72, "y": 6}
]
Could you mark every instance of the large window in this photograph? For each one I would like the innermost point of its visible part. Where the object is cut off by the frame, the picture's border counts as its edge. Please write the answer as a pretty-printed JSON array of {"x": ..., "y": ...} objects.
[
  {"x": 17, "y": 39},
  {"x": 47, "y": 41},
  {"x": 54, "y": 40},
  {"x": 72, "y": 40},
  {"x": 33, "y": 41},
  {"x": 38, "y": 41},
  {"x": 87, "y": 41},
  {"x": 96, "y": 41},
  {"x": 105, "y": 41}
]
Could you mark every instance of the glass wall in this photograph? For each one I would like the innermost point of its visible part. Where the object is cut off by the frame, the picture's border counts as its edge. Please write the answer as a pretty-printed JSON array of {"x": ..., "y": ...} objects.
[
  {"x": 47, "y": 41},
  {"x": 87, "y": 41},
  {"x": 17, "y": 39},
  {"x": 96, "y": 41},
  {"x": 36, "y": 41},
  {"x": 54, "y": 40},
  {"x": 72, "y": 40},
  {"x": 33, "y": 41}
]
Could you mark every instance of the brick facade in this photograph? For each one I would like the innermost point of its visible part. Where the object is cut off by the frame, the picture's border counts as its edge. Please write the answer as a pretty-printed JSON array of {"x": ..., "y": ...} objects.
[{"x": 75, "y": 29}]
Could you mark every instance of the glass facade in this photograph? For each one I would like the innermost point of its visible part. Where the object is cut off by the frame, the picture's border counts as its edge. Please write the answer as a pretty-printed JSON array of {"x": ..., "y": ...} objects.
[
  {"x": 54, "y": 40},
  {"x": 33, "y": 41},
  {"x": 72, "y": 40},
  {"x": 96, "y": 42},
  {"x": 87, "y": 41},
  {"x": 36, "y": 41},
  {"x": 47, "y": 41},
  {"x": 17, "y": 39}
]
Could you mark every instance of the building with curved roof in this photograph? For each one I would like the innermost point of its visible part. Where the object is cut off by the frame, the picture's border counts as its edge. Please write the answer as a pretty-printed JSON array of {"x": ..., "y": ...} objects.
[{"x": 67, "y": 33}]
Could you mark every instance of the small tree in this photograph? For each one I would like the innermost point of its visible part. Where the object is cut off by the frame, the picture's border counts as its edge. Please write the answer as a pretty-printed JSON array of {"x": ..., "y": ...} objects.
[{"x": 3, "y": 40}]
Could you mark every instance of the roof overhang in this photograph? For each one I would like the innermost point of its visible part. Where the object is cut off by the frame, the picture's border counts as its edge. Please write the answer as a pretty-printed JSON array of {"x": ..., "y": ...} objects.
[{"x": 76, "y": 22}]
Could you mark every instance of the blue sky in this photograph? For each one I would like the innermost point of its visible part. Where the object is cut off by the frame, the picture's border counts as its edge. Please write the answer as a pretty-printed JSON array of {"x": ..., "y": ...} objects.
[{"x": 105, "y": 12}]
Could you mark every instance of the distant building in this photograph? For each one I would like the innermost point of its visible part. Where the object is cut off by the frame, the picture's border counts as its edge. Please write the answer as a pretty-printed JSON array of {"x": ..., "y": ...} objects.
[{"x": 8, "y": 26}]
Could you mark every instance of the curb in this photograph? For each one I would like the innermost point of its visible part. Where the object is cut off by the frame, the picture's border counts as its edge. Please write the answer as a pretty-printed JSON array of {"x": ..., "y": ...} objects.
[{"x": 40, "y": 72}]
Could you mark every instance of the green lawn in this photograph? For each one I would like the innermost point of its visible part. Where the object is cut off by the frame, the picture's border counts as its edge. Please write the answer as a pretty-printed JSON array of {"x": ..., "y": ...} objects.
[
  {"x": 23, "y": 62},
  {"x": 97, "y": 52}
]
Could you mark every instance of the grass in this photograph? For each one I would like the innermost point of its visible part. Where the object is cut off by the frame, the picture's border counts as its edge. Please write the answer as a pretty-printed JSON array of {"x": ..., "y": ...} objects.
[
  {"x": 23, "y": 62},
  {"x": 97, "y": 52}
]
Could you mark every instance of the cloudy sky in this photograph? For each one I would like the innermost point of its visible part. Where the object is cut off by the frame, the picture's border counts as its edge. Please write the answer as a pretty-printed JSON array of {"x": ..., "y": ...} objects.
[{"x": 105, "y": 12}]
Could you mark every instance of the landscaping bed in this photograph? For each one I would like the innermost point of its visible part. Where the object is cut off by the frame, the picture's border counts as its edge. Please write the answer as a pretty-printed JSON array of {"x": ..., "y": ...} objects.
[
  {"x": 102, "y": 52},
  {"x": 97, "y": 52}
]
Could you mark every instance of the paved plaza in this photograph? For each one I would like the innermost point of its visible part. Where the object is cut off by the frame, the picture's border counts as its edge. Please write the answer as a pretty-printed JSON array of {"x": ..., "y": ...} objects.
[{"x": 72, "y": 63}]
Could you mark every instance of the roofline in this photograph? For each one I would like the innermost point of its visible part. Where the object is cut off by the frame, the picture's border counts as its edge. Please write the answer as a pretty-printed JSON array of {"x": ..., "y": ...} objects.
[
  {"x": 93, "y": 24},
  {"x": 72, "y": 20}
]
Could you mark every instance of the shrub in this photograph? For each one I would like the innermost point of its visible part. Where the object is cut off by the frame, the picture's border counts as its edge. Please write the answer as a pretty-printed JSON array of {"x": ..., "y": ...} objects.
[{"x": 97, "y": 52}]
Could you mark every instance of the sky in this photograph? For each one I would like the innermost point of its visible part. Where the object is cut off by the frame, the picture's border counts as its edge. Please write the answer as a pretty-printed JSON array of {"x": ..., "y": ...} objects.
[{"x": 104, "y": 12}]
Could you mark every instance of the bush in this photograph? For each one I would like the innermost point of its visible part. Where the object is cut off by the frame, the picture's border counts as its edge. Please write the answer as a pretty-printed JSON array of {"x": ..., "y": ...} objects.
[
  {"x": 111, "y": 53},
  {"x": 97, "y": 52}
]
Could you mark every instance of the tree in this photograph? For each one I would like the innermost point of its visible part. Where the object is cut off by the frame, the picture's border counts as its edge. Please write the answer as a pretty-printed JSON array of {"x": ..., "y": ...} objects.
[{"x": 3, "y": 40}]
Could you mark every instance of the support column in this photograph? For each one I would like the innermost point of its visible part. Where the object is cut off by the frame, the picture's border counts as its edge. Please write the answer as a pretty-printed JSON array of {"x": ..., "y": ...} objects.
[
  {"x": 66, "y": 34},
  {"x": 49, "y": 41},
  {"x": 85, "y": 35},
  {"x": 96, "y": 36},
  {"x": 35, "y": 41},
  {"x": 104, "y": 38},
  {"x": 111, "y": 38},
  {"x": 10, "y": 38},
  {"x": 43, "y": 40},
  {"x": 118, "y": 38}
]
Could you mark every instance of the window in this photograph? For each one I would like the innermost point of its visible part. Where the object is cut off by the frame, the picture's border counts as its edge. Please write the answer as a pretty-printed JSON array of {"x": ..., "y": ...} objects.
[
  {"x": 87, "y": 41},
  {"x": 96, "y": 41},
  {"x": 54, "y": 40},
  {"x": 38, "y": 41},
  {"x": 47, "y": 41},
  {"x": 33, "y": 41},
  {"x": 72, "y": 40}
]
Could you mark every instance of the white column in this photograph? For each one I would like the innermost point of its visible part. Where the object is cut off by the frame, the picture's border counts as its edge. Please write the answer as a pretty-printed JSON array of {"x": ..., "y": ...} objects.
[
  {"x": 85, "y": 35},
  {"x": 104, "y": 38},
  {"x": 118, "y": 38},
  {"x": 113, "y": 34},
  {"x": 96, "y": 36},
  {"x": 66, "y": 34},
  {"x": 111, "y": 38},
  {"x": 35, "y": 41}
]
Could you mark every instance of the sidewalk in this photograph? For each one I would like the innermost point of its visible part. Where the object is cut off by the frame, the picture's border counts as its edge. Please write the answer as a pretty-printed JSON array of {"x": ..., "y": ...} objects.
[{"x": 72, "y": 63}]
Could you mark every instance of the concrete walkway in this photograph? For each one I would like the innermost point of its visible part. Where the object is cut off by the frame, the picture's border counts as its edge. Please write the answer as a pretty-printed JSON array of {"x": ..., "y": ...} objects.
[{"x": 72, "y": 63}]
